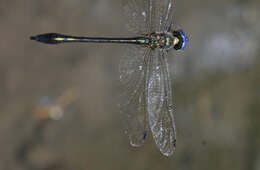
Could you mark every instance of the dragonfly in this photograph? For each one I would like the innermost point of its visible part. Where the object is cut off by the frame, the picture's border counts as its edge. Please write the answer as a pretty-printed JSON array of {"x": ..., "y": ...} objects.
[{"x": 147, "y": 100}]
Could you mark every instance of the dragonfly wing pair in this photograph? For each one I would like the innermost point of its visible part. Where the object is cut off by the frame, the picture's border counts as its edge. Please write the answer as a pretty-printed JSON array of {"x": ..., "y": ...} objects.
[{"x": 147, "y": 96}]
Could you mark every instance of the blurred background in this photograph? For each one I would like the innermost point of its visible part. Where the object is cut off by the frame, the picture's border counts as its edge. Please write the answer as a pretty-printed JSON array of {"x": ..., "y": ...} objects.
[{"x": 58, "y": 104}]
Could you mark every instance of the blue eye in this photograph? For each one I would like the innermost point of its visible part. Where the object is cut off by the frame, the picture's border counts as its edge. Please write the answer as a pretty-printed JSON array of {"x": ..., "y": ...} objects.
[{"x": 185, "y": 39}]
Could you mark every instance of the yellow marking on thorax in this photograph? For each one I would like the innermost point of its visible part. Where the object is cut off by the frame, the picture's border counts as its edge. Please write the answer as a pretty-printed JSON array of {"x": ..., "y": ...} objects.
[{"x": 175, "y": 41}]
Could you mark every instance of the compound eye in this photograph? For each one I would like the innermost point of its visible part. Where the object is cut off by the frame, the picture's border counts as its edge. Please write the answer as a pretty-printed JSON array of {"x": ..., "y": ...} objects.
[{"x": 185, "y": 39}]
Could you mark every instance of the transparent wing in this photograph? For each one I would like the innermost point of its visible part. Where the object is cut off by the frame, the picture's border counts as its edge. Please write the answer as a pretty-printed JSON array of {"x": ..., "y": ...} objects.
[
  {"x": 132, "y": 100},
  {"x": 145, "y": 16},
  {"x": 159, "y": 103},
  {"x": 136, "y": 13},
  {"x": 161, "y": 12}
]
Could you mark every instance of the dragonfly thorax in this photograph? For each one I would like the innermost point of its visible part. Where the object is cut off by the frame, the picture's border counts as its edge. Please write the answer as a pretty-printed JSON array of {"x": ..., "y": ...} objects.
[
  {"x": 170, "y": 40},
  {"x": 162, "y": 40}
]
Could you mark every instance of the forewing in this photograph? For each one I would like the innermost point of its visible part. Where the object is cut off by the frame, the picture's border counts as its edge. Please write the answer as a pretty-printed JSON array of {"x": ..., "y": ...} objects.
[
  {"x": 137, "y": 15},
  {"x": 159, "y": 103},
  {"x": 161, "y": 12},
  {"x": 132, "y": 101}
]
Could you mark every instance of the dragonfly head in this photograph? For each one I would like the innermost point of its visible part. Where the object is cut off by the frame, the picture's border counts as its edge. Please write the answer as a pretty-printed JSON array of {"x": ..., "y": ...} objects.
[{"x": 181, "y": 39}]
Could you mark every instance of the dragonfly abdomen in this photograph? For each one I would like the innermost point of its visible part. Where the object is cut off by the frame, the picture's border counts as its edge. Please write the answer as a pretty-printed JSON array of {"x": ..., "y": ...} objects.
[{"x": 55, "y": 38}]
